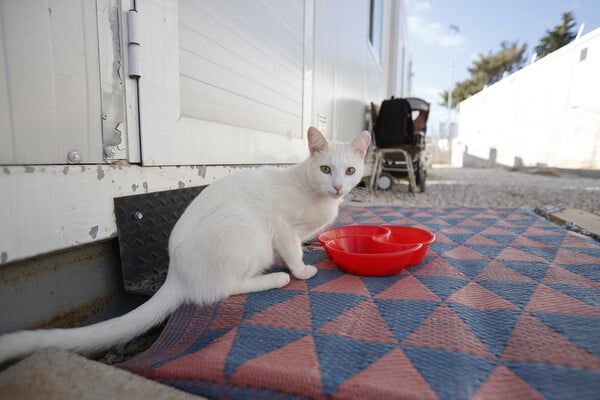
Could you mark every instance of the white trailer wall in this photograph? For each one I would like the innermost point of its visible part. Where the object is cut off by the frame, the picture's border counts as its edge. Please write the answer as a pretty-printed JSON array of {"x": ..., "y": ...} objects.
[
  {"x": 222, "y": 83},
  {"x": 50, "y": 95},
  {"x": 350, "y": 72}
]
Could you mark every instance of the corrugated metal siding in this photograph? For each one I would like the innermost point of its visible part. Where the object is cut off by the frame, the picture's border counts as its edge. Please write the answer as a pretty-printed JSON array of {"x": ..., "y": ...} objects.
[
  {"x": 49, "y": 82},
  {"x": 241, "y": 63}
]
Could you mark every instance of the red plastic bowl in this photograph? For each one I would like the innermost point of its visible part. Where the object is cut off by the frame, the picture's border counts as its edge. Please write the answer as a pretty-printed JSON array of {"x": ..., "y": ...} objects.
[
  {"x": 353, "y": 230},
  {"x": 409, "y": 235},
  {"x": 363, "y": 255}
]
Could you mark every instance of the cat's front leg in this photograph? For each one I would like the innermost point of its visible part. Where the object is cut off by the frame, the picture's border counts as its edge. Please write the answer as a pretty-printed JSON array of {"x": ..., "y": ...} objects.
[
  {"x": 305, "y": 272},
  {"x": 288, "y": 245}
]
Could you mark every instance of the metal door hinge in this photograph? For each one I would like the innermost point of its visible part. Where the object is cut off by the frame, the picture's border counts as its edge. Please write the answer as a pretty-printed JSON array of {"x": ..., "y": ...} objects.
[{"x": 133, "y": 44}]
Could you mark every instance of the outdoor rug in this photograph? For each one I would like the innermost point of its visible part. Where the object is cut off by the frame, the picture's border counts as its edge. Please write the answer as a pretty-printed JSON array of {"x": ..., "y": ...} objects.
[{"x": 505, "y": 305}]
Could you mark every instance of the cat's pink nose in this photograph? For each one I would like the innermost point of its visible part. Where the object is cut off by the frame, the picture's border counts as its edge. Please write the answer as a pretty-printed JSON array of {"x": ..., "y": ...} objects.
[{"x": 337, "y": 188}]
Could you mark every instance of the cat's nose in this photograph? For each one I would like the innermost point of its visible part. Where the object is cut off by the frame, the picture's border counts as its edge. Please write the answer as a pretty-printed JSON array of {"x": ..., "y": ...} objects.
[{"x": 337, "y": 187}]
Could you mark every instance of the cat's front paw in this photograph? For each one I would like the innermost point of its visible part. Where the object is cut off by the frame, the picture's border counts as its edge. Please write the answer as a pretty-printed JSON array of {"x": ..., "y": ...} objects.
[{"x": 307, "y": 272}]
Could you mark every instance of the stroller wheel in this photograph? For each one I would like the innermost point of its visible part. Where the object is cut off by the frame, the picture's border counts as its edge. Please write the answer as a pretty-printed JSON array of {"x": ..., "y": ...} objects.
[{"x": 385, "y": 182}]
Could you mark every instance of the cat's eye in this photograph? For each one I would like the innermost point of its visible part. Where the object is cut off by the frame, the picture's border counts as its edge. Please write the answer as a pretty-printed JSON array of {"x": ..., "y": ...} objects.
[
  {"x": 325, "y": 169},
  {"x": 350, "y": 171}
]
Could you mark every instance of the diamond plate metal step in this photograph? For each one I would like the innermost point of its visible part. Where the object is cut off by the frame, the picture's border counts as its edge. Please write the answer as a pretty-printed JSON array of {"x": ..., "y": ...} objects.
[{"x": 144, "y": 223}]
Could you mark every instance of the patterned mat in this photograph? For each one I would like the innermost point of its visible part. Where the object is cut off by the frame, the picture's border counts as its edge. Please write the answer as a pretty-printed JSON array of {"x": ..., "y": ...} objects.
[{"x": 505, "y": 305}]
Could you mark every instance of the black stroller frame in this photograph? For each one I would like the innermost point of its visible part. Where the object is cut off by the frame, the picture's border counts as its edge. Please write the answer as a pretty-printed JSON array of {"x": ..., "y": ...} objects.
[{"x": 399, "y": 145}]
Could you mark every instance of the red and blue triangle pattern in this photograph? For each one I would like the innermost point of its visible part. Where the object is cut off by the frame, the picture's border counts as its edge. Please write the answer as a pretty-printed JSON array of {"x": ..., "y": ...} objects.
[{"x": 505, "y": 305}]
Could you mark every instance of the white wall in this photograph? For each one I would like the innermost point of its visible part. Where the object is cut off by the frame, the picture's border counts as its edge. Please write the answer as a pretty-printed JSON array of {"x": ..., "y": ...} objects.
[
  {"x": 209, "y": 99},
  {"x": 223, "y": 82},
  {"x": 546, "y": 113},
  {"x": 348, "y": 72},
  {"x": 241, "y": 63},
  {"x": 50, "y": 95}
]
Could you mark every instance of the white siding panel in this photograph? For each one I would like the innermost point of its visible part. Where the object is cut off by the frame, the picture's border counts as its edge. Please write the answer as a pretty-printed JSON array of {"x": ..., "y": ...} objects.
[
  {"x": 227, "y": 78},
  {"x": 352, "y": 59},
  {"x": 50, "y": 72},
  {"x": 77, "y": 80},
  {"x": 347, "y": 77},
  {"x": 258, "y": 23},
  {"x": 219, "y": 85},
  {"x": 8, "y": 147},
  {"x": 246, "y": 112},
  {"x": 289, "y": 11},
  {"x": 204, "y": 21},
  {"x": 28, "y": 70},
  {"x": 241, "y": 63},
  {"x": 49, "y": 208},
  {"x": 251, "y": 67}
]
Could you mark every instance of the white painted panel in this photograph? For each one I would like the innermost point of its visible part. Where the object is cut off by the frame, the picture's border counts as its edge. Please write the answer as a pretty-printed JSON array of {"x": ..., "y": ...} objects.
[
  {"x": 51, "y": 75},
  {"x": 353, "y": 55},
  {"x": 8, "y": 148},
  {"x": 217, "y": 25},
  {"x": 324, "y": 83},
  {"x": 247, "y": 51},
  {"x": 259, "y": 23},
  {"x": 222, "y": 82},
  {"x": 195, "y": 68},
  {"x": 48, "y": 208},
  {"x": 196, "y": 48},
  {"x": 28, "y": 71},
  {"x": 347, "y": 75},
  {"x": 243, "y": 112}
]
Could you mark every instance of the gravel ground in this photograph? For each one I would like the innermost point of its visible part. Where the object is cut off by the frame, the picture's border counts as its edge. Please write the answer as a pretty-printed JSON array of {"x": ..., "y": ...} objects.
[{"x": 496, "y": 187}]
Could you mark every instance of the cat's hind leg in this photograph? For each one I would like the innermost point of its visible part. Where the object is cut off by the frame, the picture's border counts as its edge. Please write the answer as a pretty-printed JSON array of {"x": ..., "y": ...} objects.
[{"x": 259, "y": 283}]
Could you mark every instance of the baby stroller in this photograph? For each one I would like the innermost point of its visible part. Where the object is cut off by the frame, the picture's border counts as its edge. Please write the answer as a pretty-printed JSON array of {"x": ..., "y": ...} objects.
[{"x": 399, "y": 128}]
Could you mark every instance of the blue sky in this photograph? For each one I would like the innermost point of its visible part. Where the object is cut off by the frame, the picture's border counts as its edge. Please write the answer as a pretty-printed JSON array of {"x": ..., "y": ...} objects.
[{"x": 482, "y": 26}]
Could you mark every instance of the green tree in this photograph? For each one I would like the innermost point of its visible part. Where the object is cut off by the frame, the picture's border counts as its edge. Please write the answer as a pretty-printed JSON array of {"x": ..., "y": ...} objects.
[
  {"x": 487, "y": 70},
  {"x": 558, "y": 37}
]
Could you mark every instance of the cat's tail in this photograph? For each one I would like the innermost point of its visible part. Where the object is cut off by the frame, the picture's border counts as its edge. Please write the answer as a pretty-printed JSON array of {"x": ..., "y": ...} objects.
[{"x": 92, "y": 338}]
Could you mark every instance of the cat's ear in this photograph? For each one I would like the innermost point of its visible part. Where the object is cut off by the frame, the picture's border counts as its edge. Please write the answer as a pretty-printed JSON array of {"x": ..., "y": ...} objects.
[
  {"x": 360, "y": 144},
  {"x": 316, "y": 141}
]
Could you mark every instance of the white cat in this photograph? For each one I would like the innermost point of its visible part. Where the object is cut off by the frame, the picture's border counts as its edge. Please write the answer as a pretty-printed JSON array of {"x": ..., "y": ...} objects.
[{"x": 224, "y": 241}]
